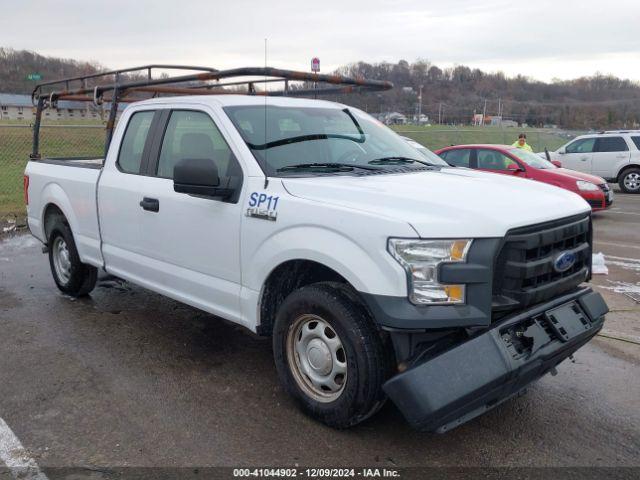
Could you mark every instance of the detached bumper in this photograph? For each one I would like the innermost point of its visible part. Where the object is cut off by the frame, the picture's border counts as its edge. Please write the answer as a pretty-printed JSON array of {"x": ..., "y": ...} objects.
[{"x": 475, "y": 376}]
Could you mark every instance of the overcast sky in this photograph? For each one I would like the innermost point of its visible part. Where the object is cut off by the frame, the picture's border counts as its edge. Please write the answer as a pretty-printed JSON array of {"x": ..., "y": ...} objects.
[{"x": 541, "y": 39}]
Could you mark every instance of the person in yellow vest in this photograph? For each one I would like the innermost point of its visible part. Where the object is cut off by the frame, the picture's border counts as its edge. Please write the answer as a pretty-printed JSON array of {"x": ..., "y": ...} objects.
[{"x": 522, "y": 143}]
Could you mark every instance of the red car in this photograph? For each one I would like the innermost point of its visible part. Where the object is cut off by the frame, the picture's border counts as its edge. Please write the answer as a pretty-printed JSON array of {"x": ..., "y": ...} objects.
[{"x": 509, "y": 160}]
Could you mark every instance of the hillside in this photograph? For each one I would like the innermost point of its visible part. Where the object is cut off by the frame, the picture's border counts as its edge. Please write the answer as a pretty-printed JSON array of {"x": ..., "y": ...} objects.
[
  {"x": 452, "y": 95},
  {"x": 16, "y": 65}
]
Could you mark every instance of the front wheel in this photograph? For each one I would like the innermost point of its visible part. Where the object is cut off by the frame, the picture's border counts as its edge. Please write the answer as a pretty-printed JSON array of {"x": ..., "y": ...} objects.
[
  {"x": 71, "y": 275},
  {"x": 329, "y": 355},
  {"x": 630, "y": 180}
]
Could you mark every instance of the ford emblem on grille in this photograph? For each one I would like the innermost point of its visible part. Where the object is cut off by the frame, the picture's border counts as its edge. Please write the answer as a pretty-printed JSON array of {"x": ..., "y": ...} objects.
[{"x": 564, "y": 261}]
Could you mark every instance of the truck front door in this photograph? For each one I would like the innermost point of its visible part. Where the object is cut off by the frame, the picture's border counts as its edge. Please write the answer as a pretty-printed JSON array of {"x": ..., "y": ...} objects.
[{"x": 192, "y": 244}]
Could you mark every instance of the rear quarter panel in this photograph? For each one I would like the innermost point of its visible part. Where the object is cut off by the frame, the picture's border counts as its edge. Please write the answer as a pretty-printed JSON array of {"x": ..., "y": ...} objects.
[{"x": 73, "y": 191}]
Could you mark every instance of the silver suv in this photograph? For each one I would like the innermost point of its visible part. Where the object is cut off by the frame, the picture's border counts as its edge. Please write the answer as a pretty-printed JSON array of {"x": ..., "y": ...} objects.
[{"x": 613, "y": 155}]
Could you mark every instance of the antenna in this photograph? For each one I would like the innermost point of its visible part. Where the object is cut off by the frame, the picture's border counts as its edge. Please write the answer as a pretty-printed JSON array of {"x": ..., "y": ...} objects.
[{"x": 266, "y": 177}]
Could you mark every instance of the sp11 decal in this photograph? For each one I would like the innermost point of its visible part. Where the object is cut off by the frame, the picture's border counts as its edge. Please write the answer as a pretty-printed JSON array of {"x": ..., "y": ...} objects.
[{"x": 263, "y": 206}]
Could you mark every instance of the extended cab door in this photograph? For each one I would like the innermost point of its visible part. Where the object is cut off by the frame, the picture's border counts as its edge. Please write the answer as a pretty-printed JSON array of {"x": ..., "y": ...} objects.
[
  {"x": 192, "y": 244},
  {"x": 578, "y": 154},
  {"x": 611, "y": 153}
]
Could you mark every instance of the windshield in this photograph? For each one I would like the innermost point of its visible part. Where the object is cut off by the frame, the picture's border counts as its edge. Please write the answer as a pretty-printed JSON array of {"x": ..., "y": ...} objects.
[
  {"x": 532, "y": 159},
  {"x": 301, "y": 138},
  {"x": 431, "y": 157}
]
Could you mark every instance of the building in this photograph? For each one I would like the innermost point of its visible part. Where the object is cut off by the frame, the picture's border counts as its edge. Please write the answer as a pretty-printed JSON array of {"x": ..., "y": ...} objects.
[
  {"x": 19, "y": 107},
  {"x": 395, "y": 118}
]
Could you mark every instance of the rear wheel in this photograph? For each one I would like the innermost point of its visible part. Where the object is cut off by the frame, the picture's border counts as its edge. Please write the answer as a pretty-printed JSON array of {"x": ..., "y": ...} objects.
[
  {"x": 630, "y": 180},
  {"x": 71, "y": 275},
  {"x": 329, "y": 355}
]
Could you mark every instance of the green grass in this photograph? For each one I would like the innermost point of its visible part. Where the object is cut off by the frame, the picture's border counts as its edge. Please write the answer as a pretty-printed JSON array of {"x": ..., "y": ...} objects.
[
  {"x": 439, "y": 136},
  {"x": 15, "y": 147}
]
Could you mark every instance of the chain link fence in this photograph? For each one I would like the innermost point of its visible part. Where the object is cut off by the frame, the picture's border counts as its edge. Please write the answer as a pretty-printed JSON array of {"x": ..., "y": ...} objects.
[
  {"x": 88, "y": 141},
  {"x": 55, "y": 141}
]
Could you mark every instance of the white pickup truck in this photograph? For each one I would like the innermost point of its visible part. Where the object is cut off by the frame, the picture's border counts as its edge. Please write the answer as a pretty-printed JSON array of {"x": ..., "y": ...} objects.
[{"x": 376, "y": 273}]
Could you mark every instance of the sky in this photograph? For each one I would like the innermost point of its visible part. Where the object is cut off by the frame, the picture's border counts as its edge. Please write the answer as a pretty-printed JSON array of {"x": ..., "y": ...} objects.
[{"x": 541, "y": 39}]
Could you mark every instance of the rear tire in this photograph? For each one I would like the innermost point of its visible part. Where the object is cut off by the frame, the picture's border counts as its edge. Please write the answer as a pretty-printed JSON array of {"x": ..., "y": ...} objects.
[
  {"x": 630, "y": 180},
  {"x": 329, "y": 355},
  {"x": 71, "y": 275}
]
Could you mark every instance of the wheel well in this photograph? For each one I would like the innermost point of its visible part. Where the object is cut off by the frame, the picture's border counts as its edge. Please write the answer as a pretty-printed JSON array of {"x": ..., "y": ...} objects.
[
  {"x": 50, "y": 212},
  {"x": 624, "y": 169},
  {"x": 286, "y": 278}
]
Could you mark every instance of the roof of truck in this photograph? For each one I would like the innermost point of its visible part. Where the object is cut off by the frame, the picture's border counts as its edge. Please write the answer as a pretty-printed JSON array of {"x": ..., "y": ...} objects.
[{"x": 237, "y": 100}]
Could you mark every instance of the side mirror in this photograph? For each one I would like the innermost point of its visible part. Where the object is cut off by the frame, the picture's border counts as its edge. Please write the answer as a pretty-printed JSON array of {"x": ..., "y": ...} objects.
[
  {"x": 557, "y": 163},
  {"x": 514, "y": 167},
  {"x": 199, "y": 176},
  {"x": 561, "y": 151}
]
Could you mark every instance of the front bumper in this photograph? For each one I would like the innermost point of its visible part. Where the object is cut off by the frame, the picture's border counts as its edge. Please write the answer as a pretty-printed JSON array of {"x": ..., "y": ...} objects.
[{"x": 471, "y": 378}]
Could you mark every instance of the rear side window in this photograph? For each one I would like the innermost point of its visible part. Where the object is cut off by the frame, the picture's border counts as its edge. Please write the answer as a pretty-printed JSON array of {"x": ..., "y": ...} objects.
[
  {"x": 584, "y": 145},
  {"x": 612, "y": 144},
  {"x": 459, "y": 157},
  {"x": 132, "y": 147},
  {"x": 636, "y": 142},
  {"x": 493, "y": 160},
  {"x": 191, "y": 135}
]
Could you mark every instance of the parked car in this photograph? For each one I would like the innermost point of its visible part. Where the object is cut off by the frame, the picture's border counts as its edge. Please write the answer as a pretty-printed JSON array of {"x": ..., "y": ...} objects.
[
  {"x": 375, "y": 273},
  {"x": 613, "y": 155},
  {"x": 508, "y": 160}
]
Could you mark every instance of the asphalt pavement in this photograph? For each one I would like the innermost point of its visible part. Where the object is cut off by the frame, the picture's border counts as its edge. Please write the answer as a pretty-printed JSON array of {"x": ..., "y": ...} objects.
[{"x": 127, "y": 377}]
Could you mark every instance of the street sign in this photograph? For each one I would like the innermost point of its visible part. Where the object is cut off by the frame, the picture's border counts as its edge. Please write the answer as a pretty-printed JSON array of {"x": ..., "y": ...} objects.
[
  {"x": 34, "y": 76},
  {"x": 315, "y": 64}
]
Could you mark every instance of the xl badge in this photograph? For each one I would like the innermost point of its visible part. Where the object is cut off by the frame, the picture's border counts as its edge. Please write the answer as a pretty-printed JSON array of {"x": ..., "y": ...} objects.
[
  {"x": 263, "y": 206},
  {"x": 564, "y": 261}
]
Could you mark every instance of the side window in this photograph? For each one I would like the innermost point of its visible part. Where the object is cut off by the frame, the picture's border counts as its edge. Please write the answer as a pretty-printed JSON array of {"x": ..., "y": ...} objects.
[
  {"x": 584, "y": 145},
  {"x": 458, "y": 157},
  {"x": 612, "y": 144},
  {"x": 493, "y": 160},
  {"x": 191, "y": 134},
  {"x": 636, "y": 142},
  {"x": 132, "y": 145}
]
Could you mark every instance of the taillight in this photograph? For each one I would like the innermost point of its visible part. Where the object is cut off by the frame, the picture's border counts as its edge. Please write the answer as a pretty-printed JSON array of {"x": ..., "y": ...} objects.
[{"x": 26, "y": 189}]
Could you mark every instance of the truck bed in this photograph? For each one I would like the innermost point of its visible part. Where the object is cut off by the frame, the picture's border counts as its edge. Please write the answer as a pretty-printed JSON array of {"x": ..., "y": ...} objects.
[{"x": 70, "y": 184}]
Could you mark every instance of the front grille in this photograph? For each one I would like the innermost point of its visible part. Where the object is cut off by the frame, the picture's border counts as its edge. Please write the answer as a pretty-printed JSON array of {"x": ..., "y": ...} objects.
[
  {"x": 524, "y": 271},
  {"x": 594, "y": 203}
]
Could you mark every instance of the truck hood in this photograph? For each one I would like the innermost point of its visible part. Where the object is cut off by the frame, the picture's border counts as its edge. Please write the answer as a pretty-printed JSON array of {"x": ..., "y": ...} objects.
[{"x": 451, "y": 202}]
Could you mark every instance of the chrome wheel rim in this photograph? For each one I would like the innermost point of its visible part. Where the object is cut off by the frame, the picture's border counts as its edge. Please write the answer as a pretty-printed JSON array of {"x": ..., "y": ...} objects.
[
  {"x": 632, "y": 181},
  {"x": 316, "y": 358},
  {"x": 61, "y": 260}
]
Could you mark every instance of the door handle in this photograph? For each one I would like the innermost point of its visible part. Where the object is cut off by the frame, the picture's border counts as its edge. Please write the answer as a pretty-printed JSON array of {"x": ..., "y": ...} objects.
[
  {"x": 150, "y": 204},
  {"x": 584, "y": 159}
]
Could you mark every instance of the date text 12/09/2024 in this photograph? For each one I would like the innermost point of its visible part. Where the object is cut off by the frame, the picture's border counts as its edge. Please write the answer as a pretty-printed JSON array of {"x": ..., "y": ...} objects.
[{"x": 316, "y": 472}]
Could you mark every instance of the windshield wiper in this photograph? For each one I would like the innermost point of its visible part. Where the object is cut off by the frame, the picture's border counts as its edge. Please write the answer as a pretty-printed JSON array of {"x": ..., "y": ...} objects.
[
  {"x": 398, "y": 161},
  {"x": 345, "y": 167}
]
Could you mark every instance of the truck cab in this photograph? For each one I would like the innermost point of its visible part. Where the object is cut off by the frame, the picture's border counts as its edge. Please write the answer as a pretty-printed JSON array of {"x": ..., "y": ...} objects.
[{"x": 376, "y": 273}]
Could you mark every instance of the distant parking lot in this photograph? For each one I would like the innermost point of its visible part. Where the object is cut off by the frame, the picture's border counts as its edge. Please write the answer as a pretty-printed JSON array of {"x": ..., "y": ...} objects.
[{"x": 130, "y": 378}]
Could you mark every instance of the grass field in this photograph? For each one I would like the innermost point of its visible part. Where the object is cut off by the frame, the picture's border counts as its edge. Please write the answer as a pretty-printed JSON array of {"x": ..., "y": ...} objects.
[
  {"x": 15, "y": 147},
  {"x": 438, "y": 136},
  {"x": 88, "y": 140}
]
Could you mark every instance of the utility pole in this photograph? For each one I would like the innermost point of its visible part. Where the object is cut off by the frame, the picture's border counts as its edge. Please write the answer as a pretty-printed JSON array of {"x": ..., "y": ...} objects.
[
  {"x": 484, "y": 111},
  {"x": 500, "y": 111},
  {"x": 440, "y": 114},
  {"x": 420, "y": 105}
]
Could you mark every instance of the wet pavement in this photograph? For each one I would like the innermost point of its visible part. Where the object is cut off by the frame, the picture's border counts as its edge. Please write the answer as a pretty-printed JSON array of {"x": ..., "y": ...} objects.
[{"x": 129, "y": 378}]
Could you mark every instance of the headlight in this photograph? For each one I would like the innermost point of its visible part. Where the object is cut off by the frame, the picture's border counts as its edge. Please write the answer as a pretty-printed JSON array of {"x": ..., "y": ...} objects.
[
  {"x": 587, "y": 186},
  {"x": 420, "y": 258}
]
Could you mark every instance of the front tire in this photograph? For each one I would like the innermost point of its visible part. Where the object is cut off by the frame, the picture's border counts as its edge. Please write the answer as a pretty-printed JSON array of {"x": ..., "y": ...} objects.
[
  {"x": 71, "y": 275},
  {"x": 329, "y": 355},
  {"x": 630, "y": 180}
]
